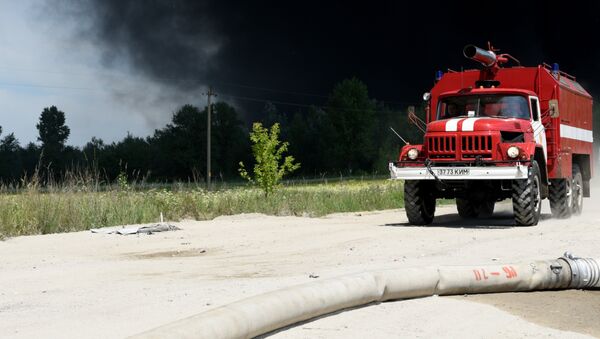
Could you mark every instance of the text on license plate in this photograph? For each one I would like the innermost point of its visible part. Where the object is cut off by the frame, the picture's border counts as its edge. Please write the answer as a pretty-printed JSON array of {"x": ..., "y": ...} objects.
[{"x": 453, "y": 171}]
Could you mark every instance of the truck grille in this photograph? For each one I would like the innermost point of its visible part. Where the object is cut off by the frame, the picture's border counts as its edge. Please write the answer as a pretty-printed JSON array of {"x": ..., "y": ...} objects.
[
  {"x": 476, "y": 145},
  {"x": 459, "y": 147},
  {"x": 441, "y": 147}
]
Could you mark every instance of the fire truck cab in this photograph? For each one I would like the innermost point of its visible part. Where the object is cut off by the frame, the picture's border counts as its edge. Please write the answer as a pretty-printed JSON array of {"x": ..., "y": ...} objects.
[{"x": 520, "y": 133}]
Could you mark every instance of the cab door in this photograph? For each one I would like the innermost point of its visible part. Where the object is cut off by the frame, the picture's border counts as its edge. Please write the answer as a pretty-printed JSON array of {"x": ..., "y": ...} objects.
[{"x": 539, "y": 133}]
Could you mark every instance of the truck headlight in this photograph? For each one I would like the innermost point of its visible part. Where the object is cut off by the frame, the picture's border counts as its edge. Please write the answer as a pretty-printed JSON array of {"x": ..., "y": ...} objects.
[
  {"x": 513, "y": 152},
  {"x": 412, "y": 153}
]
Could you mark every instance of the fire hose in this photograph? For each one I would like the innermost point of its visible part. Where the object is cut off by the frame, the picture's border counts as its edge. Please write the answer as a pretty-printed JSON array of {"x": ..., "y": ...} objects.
[{"x": 273, "y": 310}]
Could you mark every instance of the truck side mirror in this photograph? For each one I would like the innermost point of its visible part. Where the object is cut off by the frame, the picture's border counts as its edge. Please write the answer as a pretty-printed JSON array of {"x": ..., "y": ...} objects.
[{"x": 553, "y": 108}]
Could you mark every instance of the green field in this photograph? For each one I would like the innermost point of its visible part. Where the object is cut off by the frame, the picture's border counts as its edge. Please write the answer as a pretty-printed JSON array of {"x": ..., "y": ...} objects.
[{"x": 79, "y": 207}]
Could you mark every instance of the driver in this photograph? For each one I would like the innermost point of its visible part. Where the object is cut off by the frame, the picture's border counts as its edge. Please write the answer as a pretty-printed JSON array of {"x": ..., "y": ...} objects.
[
  {"x": 514, "y": 109},
  {"x": 492, "y": 110},
  {"x": 452, "y": 111}
]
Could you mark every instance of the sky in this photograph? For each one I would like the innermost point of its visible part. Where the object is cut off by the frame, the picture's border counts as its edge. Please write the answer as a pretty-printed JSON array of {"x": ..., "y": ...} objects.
[{"x": 116, "y": 66}]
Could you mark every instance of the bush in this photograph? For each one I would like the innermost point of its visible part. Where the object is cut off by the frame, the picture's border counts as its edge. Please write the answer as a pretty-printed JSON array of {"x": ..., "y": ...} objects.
[{"x": 268, "y": 151}]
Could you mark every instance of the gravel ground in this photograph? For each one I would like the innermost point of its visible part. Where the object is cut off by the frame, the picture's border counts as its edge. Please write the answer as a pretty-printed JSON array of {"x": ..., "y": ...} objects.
[{"x": 84, "y": 285}]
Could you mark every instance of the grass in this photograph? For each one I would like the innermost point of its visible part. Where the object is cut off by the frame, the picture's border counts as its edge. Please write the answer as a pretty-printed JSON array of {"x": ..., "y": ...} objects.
[{"x": 77, "y": 207}]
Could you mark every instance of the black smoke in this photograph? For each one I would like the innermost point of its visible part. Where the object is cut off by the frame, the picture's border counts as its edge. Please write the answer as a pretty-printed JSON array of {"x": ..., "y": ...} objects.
[
  {"x": 175, "y": 42},
  {"x": 308, "y": 46}
]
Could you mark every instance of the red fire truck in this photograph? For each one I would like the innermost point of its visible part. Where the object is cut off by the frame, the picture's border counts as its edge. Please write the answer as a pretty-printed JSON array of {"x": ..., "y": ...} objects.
[{"x": 520, "y": 133}]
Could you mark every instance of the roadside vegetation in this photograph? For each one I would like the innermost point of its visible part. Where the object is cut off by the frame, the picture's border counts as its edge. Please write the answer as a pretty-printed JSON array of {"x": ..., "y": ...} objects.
[
  {"x": 50, "y": 186},
  {"x": 80, "y": 206},
  {"x": 268, "y": 152},
  {"x": 347, "y": 132}
]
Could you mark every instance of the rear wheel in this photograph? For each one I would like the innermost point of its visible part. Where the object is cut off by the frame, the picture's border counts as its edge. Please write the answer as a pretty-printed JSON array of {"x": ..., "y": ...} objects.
[
  {"x": 561, "y": 198},
  {"x": 527, "y": 198},
  {"x": 577, "y": 191},
  {"x": 418, "y": 203},
  {"x": 466, "y": 208},
  {"x": 472, "y": 209},
  {"x": 486, "y": 209}
]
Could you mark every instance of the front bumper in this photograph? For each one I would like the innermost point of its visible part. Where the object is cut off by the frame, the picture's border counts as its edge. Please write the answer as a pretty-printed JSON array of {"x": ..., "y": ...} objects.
[{"x": 518, "y": 171}]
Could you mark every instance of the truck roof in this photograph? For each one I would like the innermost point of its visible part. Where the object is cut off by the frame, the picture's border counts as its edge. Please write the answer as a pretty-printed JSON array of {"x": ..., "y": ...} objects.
[
  {"x": 518, "y": 77},
  {"x": 540, "y": 81},
  {"x": 472, "y": 91}
]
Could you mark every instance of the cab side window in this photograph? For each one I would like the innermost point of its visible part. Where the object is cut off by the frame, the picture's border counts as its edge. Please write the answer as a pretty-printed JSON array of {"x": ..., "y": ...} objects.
[{"x": 534, "y": 109}]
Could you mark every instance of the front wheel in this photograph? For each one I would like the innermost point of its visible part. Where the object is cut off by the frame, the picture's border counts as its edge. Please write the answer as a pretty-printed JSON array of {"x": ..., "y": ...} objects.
[
  {"x": 527, "y": 198},
  {"x": 418, "y": 203}
]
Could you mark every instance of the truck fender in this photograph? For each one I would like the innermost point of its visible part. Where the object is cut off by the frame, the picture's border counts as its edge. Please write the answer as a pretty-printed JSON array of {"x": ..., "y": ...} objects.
[
  {"x": 406, "y": 148},
  {"x": 534, "y": 151}
]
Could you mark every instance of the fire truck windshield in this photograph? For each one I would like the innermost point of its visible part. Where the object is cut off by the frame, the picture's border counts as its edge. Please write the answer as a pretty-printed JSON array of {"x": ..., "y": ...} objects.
[{"x": 490, "y": 105}]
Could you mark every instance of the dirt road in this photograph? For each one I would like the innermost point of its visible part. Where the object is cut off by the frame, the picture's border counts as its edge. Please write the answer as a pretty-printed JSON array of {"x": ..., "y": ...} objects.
[{"x": 84, "y": 285}]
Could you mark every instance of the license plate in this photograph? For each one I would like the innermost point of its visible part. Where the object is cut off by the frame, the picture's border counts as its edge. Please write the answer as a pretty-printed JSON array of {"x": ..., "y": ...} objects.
[{"x": 453, "y": 171}]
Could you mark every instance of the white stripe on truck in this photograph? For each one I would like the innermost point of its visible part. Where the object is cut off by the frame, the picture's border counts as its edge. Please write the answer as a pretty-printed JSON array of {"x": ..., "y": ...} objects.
[
  {"x": 469, "y": 124},
  {"x": 576, "y": 133},
  {"x": 452, "y": 125}
]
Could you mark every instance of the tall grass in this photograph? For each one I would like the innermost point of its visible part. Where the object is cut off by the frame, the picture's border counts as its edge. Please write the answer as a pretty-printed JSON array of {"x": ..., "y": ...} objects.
[{"x": 80, "y": 202}]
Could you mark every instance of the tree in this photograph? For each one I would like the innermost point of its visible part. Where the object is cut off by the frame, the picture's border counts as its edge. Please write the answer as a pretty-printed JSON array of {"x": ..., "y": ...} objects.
[
  {"x": 30, "y": 156},
  {"x": 272, "y": 115},
  {"x": 131, "y": 155},
  {"x": 312, "y": 130},
  {"x": 352, "y": 115},
  {"x": 180, "y": 148},
  {"x": 9, "y": 144},
  {"x": 11, "y": 166},
  {"x": 268, "y": 151},
  {"x": 229, "y": 139},
  {"x": 53, "y": 133},
  {"x": 388, "y": 144},
  {"x": 92, "y": 151}
]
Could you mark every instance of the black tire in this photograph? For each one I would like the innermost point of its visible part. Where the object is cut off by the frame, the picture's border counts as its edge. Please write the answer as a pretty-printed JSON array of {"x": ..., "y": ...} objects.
[
  {"x": 471, "y": 209},
  {"x": 419, "y": 204},
  {"x": 527, "y": 198},
  {"x": 486, "y": 209},
  {"x": 561, "y": 198},
  {"x": 466, "y": 208},
  {"x": 577, "y": 191}
]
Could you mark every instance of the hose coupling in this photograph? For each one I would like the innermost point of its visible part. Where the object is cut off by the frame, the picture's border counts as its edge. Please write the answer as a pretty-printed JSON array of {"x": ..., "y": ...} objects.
[{"x": 585, "y": 272}]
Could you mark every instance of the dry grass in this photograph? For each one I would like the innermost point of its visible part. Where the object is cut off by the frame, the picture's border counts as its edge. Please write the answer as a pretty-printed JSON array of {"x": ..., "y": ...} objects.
[{"x": 83, "y": 203}]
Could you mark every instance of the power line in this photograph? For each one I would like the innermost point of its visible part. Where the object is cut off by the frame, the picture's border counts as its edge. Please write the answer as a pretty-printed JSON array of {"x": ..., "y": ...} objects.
[
  {"x": 192, "y": 81},
  {"x": 273, "y": 90},
  {"x": 237, "y": 97},
  {"x": 315, "y": 95},
  {"x": 197, "y": 81},
  {"x": 104, "y": 89},
  {"x": 268, "y": 100},
  {"x": 297, "y": 104},
  {"x": 49, "y": 86}
]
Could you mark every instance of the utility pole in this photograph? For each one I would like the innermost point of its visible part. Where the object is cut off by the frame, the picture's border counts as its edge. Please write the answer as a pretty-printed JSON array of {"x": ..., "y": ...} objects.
[{"x": 209, "y": 94}]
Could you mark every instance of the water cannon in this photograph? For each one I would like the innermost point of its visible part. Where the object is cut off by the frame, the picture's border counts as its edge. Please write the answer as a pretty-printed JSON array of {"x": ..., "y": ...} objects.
[{"x": 488, "y": 58}]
